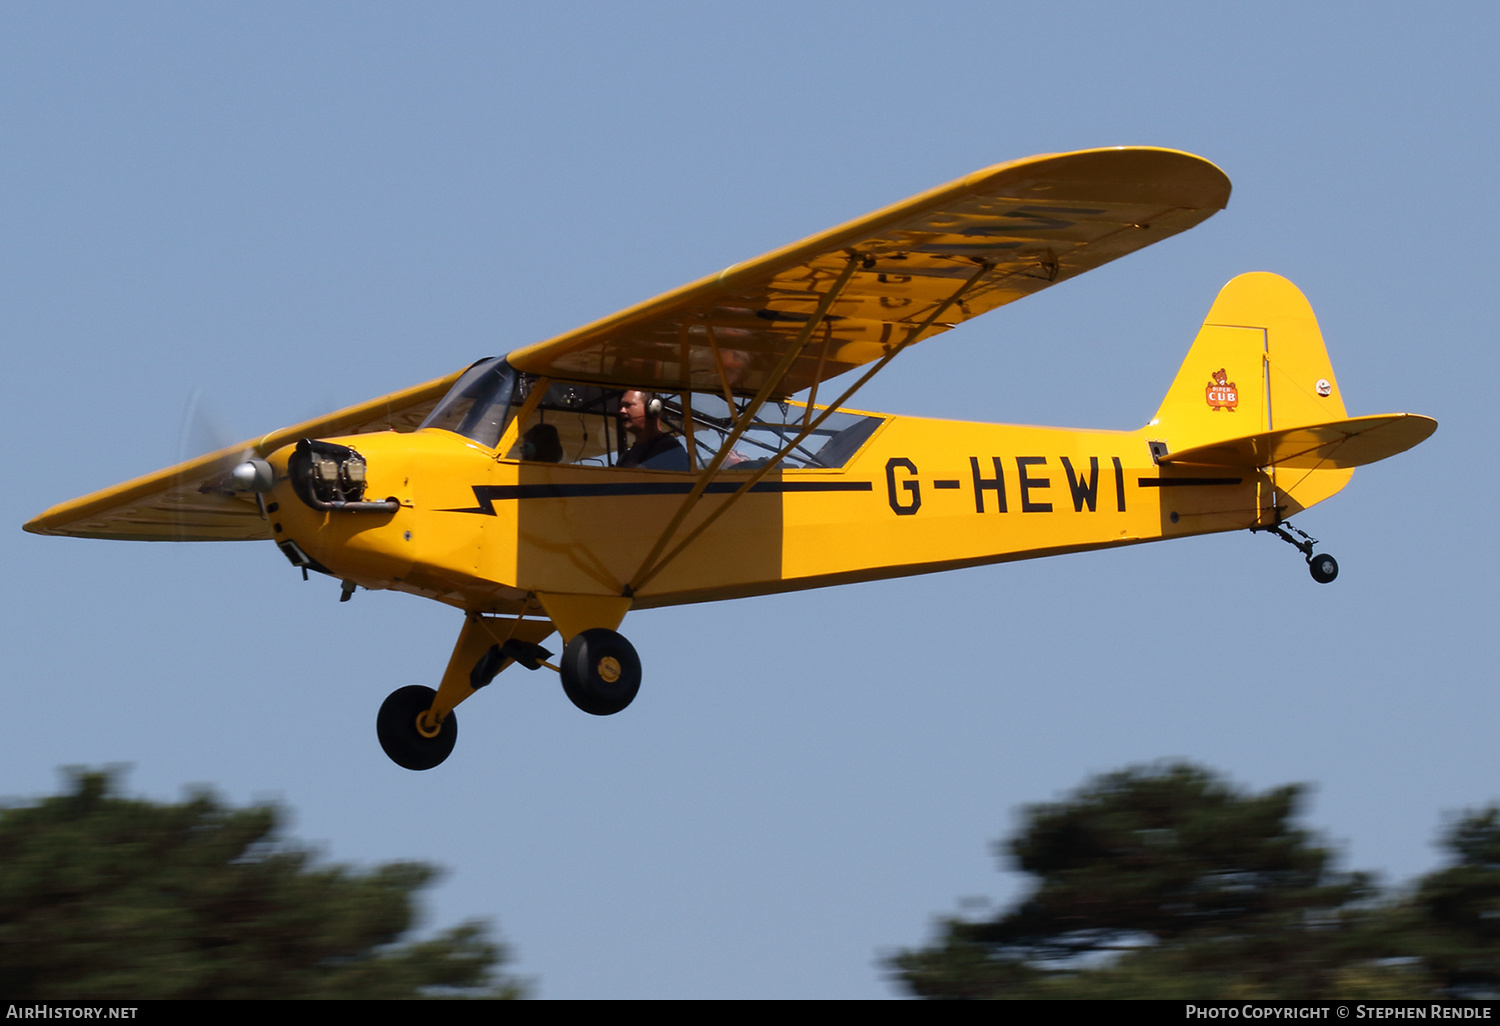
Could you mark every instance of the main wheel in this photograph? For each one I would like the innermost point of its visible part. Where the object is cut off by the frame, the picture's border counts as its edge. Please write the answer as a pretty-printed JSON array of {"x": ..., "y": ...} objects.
[
  {"x": 1324, "y": 568},
  {"x": 600, "y": 671},
  {"x": 396, "y": 726}
]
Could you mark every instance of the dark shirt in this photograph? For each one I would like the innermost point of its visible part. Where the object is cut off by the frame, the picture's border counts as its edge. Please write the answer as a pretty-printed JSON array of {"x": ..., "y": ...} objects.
[{"x": 661, "y": 453}]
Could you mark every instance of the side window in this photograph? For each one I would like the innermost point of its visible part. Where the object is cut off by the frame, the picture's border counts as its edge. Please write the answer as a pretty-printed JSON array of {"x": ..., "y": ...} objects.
[
  {"x": 569, "y": 424},
  {"x": 589, "y": 425},
  {"x": 776, "y": 425}
]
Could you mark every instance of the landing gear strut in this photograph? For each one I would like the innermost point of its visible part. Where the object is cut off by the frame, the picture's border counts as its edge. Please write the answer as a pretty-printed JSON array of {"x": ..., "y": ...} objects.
[
  {"x": 600, "y": 674},
  {"x": 1323, "y": 567}
]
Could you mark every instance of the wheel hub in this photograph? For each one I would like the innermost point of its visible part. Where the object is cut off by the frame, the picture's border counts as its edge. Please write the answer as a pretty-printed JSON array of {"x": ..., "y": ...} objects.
[{"x": 609, "y": 669}]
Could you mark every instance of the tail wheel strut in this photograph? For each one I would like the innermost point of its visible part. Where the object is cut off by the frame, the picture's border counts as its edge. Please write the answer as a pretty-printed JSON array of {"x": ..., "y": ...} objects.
[{"x": 1323, "y": 567}]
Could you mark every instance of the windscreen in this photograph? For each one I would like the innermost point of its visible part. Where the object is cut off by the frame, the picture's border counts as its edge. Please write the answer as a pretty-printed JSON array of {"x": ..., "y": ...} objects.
[{"x": 478, "y": 403}]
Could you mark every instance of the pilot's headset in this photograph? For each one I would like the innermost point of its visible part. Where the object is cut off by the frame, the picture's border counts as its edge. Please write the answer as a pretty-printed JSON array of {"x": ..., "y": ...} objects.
[{"x": 653, "y": 403}]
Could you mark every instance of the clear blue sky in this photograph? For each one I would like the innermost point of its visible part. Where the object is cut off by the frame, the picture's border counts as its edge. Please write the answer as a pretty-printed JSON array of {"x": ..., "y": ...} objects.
[{"x": 285, "y": 208}]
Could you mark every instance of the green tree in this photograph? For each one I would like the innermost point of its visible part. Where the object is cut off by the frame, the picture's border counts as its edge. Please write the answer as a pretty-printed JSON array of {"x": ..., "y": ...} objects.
[
  {"x": 1167, "y": 882},
  {"x": 1451, "y": 920},
  {"x": 103, "y": 896}
]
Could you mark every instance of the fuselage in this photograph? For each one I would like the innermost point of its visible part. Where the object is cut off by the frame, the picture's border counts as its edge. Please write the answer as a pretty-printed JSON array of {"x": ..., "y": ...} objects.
[{"x": 480, "y": 532}]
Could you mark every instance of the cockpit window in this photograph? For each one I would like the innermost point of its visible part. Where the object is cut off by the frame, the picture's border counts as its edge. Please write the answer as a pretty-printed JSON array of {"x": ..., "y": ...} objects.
[
  {"x": 478, "y": 404},
  {"x": 582, "y": 424},
  {"x": 569, "y": 424}
]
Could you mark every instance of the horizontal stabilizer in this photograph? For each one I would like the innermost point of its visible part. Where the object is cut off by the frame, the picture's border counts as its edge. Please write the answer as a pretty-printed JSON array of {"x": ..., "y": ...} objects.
[{"x": 1336, "y": 445}]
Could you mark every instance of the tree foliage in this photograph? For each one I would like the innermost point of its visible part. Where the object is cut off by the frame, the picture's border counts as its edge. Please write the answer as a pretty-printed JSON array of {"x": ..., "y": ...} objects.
[
  {"x": 103, "y": 896},
  {"x": 1167, "y": 882},
  {"x": 1453, "y": 916}
]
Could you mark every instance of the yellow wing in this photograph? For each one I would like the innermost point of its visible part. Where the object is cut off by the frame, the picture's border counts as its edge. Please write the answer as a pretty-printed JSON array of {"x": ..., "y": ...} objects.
[
  {"x": 994, "y": 236},
  {"x": 192, "y": 501},
  {"x": 1033, "y": 222}
]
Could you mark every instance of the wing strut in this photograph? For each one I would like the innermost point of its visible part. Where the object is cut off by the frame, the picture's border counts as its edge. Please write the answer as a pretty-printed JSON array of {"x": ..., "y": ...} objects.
[
  {"x": 747, "y": 415},
  {"x": 651, "y": 566}
]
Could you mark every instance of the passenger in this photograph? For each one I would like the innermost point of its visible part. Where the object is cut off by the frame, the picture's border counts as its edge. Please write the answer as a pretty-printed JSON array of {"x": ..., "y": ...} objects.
[
  {"x": 734, "y": 363},
  {"x": 542, "y": 444},
  {"x": 653, "y": 448}
]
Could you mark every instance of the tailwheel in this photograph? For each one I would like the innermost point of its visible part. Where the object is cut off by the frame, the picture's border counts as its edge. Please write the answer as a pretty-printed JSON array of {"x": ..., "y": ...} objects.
[
  {"x": 411, "y": 743},
  {"x": 600, "y": 671},
  {"x": 1324, "y": 568}
]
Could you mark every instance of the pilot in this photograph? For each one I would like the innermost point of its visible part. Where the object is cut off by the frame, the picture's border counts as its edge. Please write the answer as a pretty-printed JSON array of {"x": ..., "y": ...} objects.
[{"x": 653, "y": 448}]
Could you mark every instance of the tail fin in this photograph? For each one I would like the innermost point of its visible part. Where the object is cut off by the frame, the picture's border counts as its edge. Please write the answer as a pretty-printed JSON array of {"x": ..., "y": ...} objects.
[
  {"x": 1262, "y": 337},
  {"x": 1258, "y": 365}
]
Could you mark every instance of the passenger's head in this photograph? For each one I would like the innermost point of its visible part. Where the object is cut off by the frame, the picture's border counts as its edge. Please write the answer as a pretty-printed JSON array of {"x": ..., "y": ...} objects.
[{"x": 542, "y": 444}]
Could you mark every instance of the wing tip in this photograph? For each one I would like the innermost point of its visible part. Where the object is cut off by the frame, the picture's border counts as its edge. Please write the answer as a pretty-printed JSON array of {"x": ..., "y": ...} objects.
[
  {"x": 46, "y": 522},
  {"x": 1204, "y": 184}
]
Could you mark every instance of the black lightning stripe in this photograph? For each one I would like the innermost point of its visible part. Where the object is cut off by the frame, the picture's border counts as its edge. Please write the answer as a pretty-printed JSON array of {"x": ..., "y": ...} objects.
[
  {"x": 487, "y": 495},
  {"x": 1181, "y": 482}
]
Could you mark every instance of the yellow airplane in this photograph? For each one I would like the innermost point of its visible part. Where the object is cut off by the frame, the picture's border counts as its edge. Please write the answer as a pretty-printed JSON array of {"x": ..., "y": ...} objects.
[{"x": 655, "y": 457}]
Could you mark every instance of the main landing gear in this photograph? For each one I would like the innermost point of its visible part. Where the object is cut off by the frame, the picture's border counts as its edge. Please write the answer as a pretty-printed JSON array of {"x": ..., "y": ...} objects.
[
  {"x": 407, "y": 733},
  {"x": 1323, "y": 567},
  {"x": 600, "y": 672}
]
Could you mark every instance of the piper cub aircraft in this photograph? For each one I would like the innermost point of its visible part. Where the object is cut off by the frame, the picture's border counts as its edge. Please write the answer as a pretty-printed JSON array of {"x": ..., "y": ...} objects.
[{"x": 656, "y": 457}]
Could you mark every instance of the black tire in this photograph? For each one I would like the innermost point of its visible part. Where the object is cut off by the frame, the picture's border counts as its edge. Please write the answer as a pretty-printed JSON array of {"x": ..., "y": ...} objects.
[
  {"x": 396, "y": 726},
  {"x": 600, "y": 671},
  {"x": 1324, "y": 568}
]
